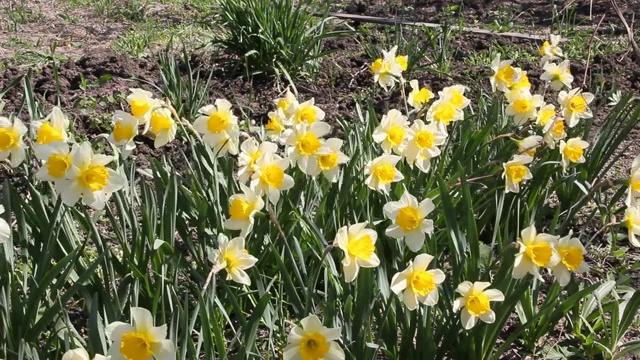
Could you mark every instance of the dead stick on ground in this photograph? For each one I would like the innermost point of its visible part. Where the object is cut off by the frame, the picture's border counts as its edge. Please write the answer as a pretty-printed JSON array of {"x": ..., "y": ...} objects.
[
  {"x": 586, "y": 67},
  {"x": 634, "y": 45}
]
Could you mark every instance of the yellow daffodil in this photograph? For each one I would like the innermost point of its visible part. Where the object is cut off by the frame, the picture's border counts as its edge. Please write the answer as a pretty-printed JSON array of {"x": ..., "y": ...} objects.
[
  {"x": 554, "y": 131},
  {"x": 330, "y": 163},
  {"x": 632, "y": 222},
  {"x": 250, "y": 151},
  {"x": 550, "y": 50},
  {"x": 53, "y": 128},
  {"x": 142, "y": 104},
  {"x": 475, "y": 303},
  {"x": 242, "y": 209},
  {"x": 634, "y": 183},
  {"x": 57, "y": 159},
  {"x": 125, "y": 128},
  {"x": 5, "y": 229},
  {"x": 89, "y": 178},
  {"x": 572, "y": 151},
  {"x": 546, "y": 113},
  {"x": 409, "y": 220},
  {"x": 232, "y": 257},
  {"x": 306, "y": 112},
  {"x": 269, "y": 176},
  {"x": 381, "y": 172},
  {"x": 359, "y": 246},
  {"x": 418, "y": 97},
  {"x": 392, "y": 132},
  {"x": 523, "y": 106},
  {"x": 443, "y": 112},
  {"x": 162, "y": 126},
  {"x": 11, "y": 145},
  {"x": 276, "y": 125},
  {"x": 219, "y": 128},
  {"x": 571, "y": 253},
  {"x": 388, "y": 69},
  {"x": 557, "y": 75},
  {"x": 535, "y": 251},
  {"x": 417, "y": 284},
  {"x": 140, "y": 341},
  {"x": 504, "y": 75},
  {"x": 81, "y": 354},
  {"x": 313, "y": 341},
  {"x": 422, "y": 144},
  {"x": 287, "y": 103},
  {"x": 516, "y": 172},
  {"x": 529, "y": 145},
  {"x": 575, "y": 106},
  {"x": 305, "y": 146},
  {"x": 455, "y": 96}
]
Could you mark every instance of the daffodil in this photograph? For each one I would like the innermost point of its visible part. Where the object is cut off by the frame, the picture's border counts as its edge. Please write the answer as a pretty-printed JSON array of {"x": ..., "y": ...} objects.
[
  {"x": 418, "y": 97},
  {"x": 546, "y": 113},
  {"x": 330, "y": 163},
  {"x": 57, "y": 159},
  {"x": 529, "y": 144},
  {"x": 242, "y": 209},
  {"x": 422, "y": 144},
  {"x": 557, "y": 75},
  {"x": 89, "y": 178},
  {"x": 125, "y": 128},
  {"x": 523, "y": 106},
  {"x": 381, "y": 172},
  {"x": 523, "y": 84},
  {"x": 287, "y": 103},
  {"x": 504, "y": 75},
  {"x": 81, "y": 354},
  {"x": 276, "y": 125},
  {"x": 162, "y": 126},
  {"x": 392, "y": 132},
  {"x": 359, "y": 246},
  {"x": 572, "y": 151},
  {"x": 632, "y": 222},
  {"x": 455, "y": 96},
  {"x": 443, "y": 112},
  {"x": 535, "y": 251},
  {"x": 53, "y": 128},
  {"x": 140, "y": 341},
  {"x": 219, "y": 127},
  {"x": 571, "y": 253},
  {"x": 575, "y": 106},
  {"x": 554, "y": 131},
  {"x": 305, "y": 145},
  {"x": 550, "y": 50},
  {"x": 5, "y": 230},
  {"x": 475, "y": 303},
  {"x": 409, "y": 220},
  {"x": 142, "y": 104},
  {"x": 417, "y": 284},
  {"x": 634, "y": 183},
  {"x": 516, "y": 172},
  {"x": 388, "y": 69},
  {"x": 250, "y": 151},
  {"x": 269, "y": 176},
  {"x": 11, "y": 145},
  {"x": 306, "y": 112},
  {"x": 232, "y": 257},
  {"x": 313, "y": 341}
]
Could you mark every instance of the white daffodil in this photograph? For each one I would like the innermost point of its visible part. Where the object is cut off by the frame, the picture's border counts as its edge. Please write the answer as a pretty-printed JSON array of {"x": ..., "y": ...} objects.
[
  {"x": 270, "y": 178},
  {"x": 232, "y": 257},
  {"x": 388, "y": 69},
  {"x": 53, "y": 128},
  {"x": 306, "y": 112},
  {"x": 455, "y": 94},
  {"x": 250, "y": 151},
  {"x": 554, "y": 132},
  {"x": 475, "y": 303},
  {"x": 305, "y": 145},
  {"x": 287, "y": 103},
  {"x": 57, "y": 159},
  {"x": 142, "y": 104},
  {"x": 381, "y": 172},
  {"x": 11, "y": 145},
  {"x": 5, "y": 229},
  {"x": 572, "y": 151},
  {"x": 89, "y": 178},
  {"x": 546, "y": 113},
  {"x": 632, "y": 222},
  {"x": 141, "y": 340},
  {"x": 523, "y": 106},
  {"x": 557, "y": 75},
  {"x": 417, "y": 284},
  {"x": 634, "y": 183},
  {"x": 81, "y": 354},
  {"x": 535, "y": 251},
  {"x": 516, "y": 172},
  {"x": 571, "y": 253},
  {"x": 442, "y": 112},
  {"x": 550, "y": 50},
  {"x": 313, "y": 341},
  {"x": 219, "y": 127},
  {"x": 409, "y": 220},
  {"x": 392, "y": 132},
  {"x": 242, "y": 209},
  {"x": 422, "y": 144},
  {"x": 162, "y": 126},
  {"x": 330, "y": 163},
  {"x": 504, "y": 75},
  {"x": 575, "y": 106},
  {"x": 418, "y": 97},
  {"x": 276, "y": 125},
  {"x": 529, "y": 145},
  {"x": 125, "y": 128},
  {"x": 359, "y": 246}
]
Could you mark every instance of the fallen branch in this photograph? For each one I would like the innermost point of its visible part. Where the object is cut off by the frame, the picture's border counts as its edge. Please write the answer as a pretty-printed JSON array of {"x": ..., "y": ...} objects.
[{"x": 634, "y": 45}]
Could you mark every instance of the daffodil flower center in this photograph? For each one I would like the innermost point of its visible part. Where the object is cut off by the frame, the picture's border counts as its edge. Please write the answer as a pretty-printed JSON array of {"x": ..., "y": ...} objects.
[
  {"x": 506, "y": 75},
  {"x": 421, "y": 282},
  {"x": 573, "y": 152},
  {"x": 395, "y": 135},
  {"x": 635, "y": 185},
  {"x": 139, "y": 107},
  {"x": 571, "y": 257},
  {"x": 122, "y": 132},
  {"x": 231, "y": 259},
  {"x": 577, "y": 104},
  {"x": 240, "y": 209},
  {"x": 361, "y": 248},
  {"x": 558, "y": 128},
  {"x": 48, "y": 134},
  {"x": 218, "y": 122},
  {"x": 544, "y": 48},
  {"x": 403, "y": 61},
  {"x": 94, "y": 178},
  {"x": 424, "y": 139},
  {"x": 546, "y": 115},
  {"x": 159, "y": 122},
  {"x": 283, "y": 104},
  {"x": 377, "y": 66},
  {"x": 313, "y": 346},
  {"x": 329, "y": 161},
  {"x": 8, "y": 139},
  {"x": 477, "y": 303},
  {"x": 272, "y": 175},
  {"x": 445, "y": 112},
  {"x": 516, "y": 172},
  {"x": 253, "y": 159},
  {"x": 523, "y": 106},
  {"x": 538, "y": 252},
  {"x": 309, "y": 144},
  {"x": 422, "y": 96},
  {"x": 136, "y": 345},
  {"x": 523, "y": 83},
  {"x": 384, "y": 173},
  {"x": 306, "y": 114},
  {"x": 408, "y": 218},
  {"x": 58, "y": 164},
  {"x": 274, "y": 125}
]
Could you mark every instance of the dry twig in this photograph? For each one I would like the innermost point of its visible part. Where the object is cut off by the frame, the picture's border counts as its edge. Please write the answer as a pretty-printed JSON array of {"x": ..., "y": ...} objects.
[
  {"x": 634, "y": 45},
  {"x": 586, "y": 67}
]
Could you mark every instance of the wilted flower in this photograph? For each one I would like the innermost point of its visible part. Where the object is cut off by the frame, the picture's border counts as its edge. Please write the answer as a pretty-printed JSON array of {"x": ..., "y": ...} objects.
[
  {"x": 140, "y": 341},
  {"x": 575, "y": 106},
  {"x": 571, "y": 253},
  {"x": 242, "y": 209},
  {"x": 381, "y": 172},
  {"x": 536, "y": 251},
  {"x": 313, "y": 341},
  {"x": 232, "y": 257},
  {"x": 392, "y": 132},
  {"x": 572, "y": 151},
  {"x": 409, "y": 220},
  {"x": 11, "y": 144},
  {"x": 516, "y": 172},
  {"x": 475, "y": 303},
  {"x": 359, "y": 246},
  {"x": 417, "y": 284}
]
